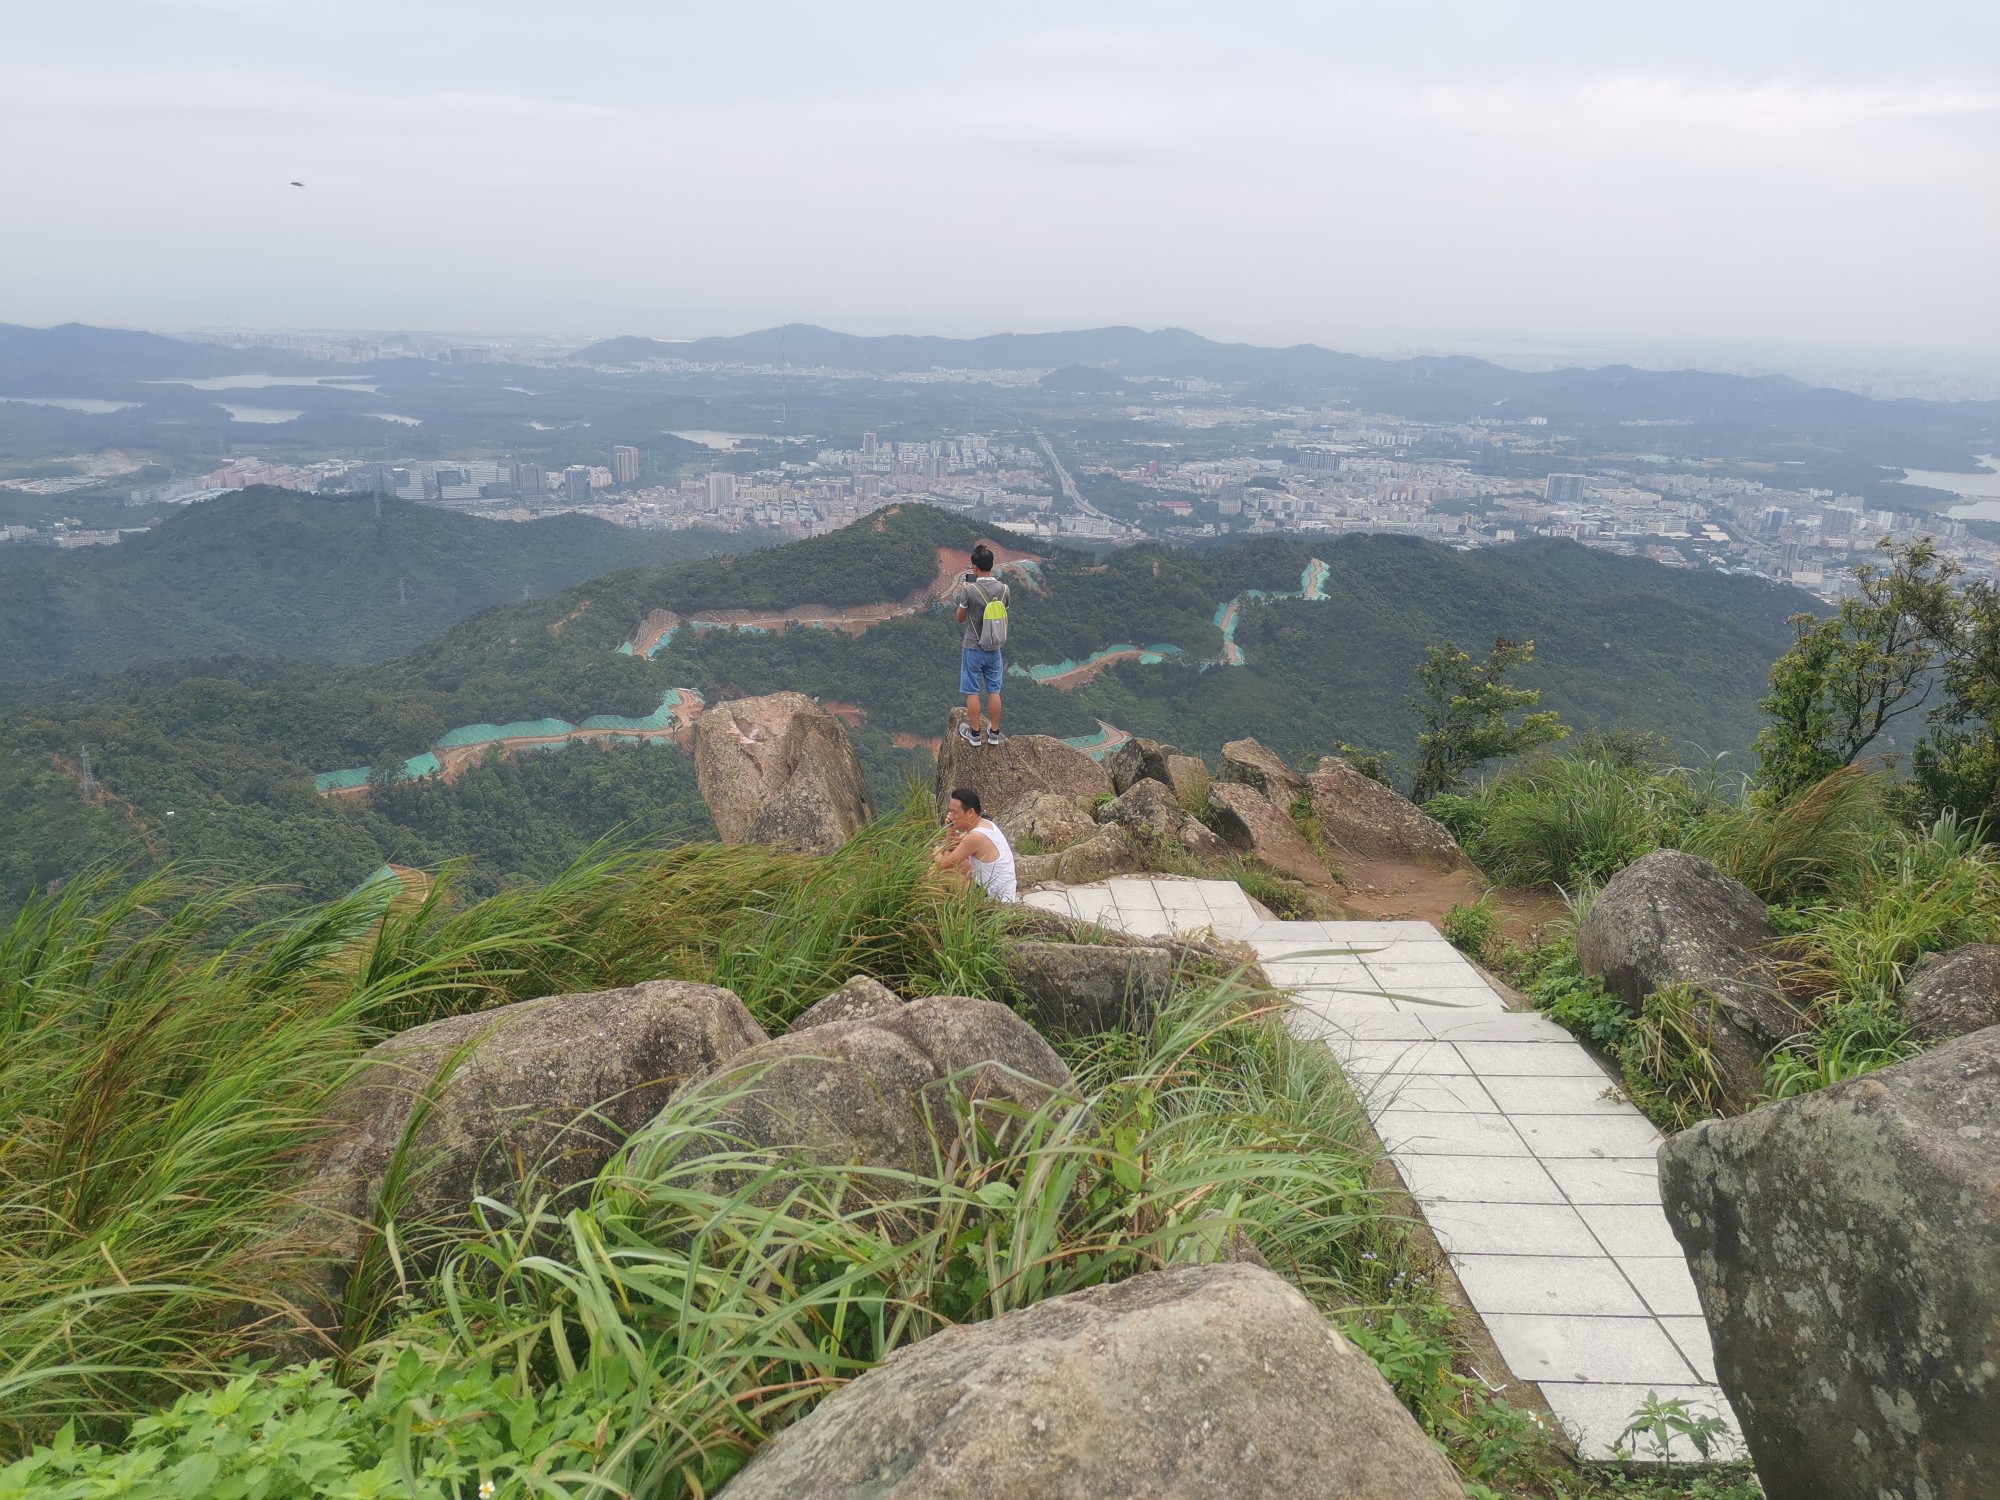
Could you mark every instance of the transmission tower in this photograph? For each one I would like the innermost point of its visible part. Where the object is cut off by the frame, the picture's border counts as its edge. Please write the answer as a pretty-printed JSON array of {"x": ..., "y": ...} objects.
[
  {"x": 403, "y": 593},
  {"x": 378, "y": 507},
  {"x": 87, "y": 782}
]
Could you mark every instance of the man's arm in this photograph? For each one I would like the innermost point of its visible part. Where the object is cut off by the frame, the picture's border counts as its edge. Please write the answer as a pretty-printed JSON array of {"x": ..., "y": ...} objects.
[{"x": 974, "y": 845}]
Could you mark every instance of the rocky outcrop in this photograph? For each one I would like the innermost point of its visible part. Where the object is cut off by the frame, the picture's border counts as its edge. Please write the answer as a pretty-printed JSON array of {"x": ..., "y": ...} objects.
[
  {"x": 1205, "y": 956},
  {"x": 1080, "y": 989},
  {"x": 1149, "y": 810},
  {"x": 1049, "y": 819},
  {"x": 865, "y": 1092},
  {"x": 1673, "y": 919},
  {"x": 1218, "y": 1382},
  {"x": 1363, "y": 819},
  {"x": 1847, "y": 1252},
  {"x": 1950, "y": 994},
  {"x": 549, "y": 1087},
  {"x": 1248, "y": 763},
  {"x": 1188, "y": 776},
  {"x": 1107, "y": 852},
  {"x": 1020, "y": 767},
  {"x": 779, "y": 770},
  {"x": 1248, "y": 822},
  {"x": 856, "y": 1000},
  {"x": 1138, "y": 760}
]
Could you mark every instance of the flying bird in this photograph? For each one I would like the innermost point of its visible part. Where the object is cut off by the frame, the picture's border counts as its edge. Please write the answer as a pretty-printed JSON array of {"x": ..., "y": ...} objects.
[{"x": 298, "y": 184}]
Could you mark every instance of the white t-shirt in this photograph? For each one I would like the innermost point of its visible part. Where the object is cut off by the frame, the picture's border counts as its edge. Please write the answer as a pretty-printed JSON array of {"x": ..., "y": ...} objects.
[{"x": 996, "y": 875}]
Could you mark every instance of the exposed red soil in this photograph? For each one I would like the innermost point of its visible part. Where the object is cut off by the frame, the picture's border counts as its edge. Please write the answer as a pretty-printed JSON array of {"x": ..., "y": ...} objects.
[
  {"x": 1386, "y": 890},
  {"x": 557, "y": 627},
  {"x": 1078, "y": 676},
  {"x": 850, "y": 714},
  {"x": 850, "y": 619},
  {"x": 902, "y": 739}
]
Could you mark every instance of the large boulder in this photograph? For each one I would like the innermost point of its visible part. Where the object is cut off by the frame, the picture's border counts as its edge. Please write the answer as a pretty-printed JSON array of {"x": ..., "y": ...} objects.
[
  {"x": 549, "y": 1087},
  {"x": 1846, "y": 1246},
  {"x": 1248, "y": 822},
  {"x": 1188, "y": 776},
  {"x": 1018, "y": 768},
  {"x": 1248, "y": 763},
  {"x": 1138, "y": 760},
  {"x": 867, "y": 1091},
  {"x": 1212, "y": 1382},
  {"x": 1080, "y": 989},
  {"x": 1362, "y": 818},
  {"x": 1674, "y": 919},
  {"x": 1107, "y": 852},
  {"x": 856, "y": 1000},
  {"x": 1149, "y": 810},
  {"x": 1049, "y": 818},
  {"x": 1949, "y": 994},
  {"x": 780, "y": 770}
]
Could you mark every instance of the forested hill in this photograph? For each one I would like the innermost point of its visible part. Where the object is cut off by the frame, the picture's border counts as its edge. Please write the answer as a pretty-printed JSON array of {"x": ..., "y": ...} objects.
[
  {"x": 230, "y": 748},
  {"x": 271, "y": 573}
]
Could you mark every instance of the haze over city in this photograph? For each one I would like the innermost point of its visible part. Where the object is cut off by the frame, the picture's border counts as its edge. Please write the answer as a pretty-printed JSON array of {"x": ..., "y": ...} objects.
[{"x": 1781, "y": 184}]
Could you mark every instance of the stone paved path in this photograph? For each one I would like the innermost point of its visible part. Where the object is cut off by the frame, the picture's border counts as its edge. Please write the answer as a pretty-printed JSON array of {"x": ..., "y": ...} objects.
[{"x": 1538, "y": 1180}]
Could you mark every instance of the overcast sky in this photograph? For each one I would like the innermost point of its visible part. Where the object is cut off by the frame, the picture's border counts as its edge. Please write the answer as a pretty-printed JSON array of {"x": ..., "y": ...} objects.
[{"x": 1476, "y": 174}]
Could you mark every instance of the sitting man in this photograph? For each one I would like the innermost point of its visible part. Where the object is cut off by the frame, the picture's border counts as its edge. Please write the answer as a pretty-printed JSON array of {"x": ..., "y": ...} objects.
[{"x": 975, "y": 849}]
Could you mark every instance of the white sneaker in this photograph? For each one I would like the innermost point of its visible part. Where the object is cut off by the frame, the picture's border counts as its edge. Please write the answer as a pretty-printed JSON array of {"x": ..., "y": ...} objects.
[
  {"x": 992, "y": 736},
  {"x": 970, "y": 735}
]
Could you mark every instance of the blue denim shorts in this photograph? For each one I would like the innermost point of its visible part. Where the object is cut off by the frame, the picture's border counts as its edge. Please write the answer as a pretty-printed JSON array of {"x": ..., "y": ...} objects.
[{"x": 979, "y": 671}]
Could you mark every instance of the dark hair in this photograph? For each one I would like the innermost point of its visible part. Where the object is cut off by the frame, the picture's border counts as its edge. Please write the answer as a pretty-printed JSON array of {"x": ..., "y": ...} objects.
[
  {"x": 982, "y": 558},
  {"x": 968, "y": 799}
]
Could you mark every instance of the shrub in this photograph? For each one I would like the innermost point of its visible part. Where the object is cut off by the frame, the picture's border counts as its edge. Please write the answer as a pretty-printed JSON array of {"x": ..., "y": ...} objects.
[{"x": 1472, "y": 925}]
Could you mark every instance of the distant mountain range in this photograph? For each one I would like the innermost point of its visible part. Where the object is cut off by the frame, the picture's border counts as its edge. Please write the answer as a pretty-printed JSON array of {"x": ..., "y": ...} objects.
[
  {"x": 271, "y": 573},
  {"x": 1445, "y": 388}
]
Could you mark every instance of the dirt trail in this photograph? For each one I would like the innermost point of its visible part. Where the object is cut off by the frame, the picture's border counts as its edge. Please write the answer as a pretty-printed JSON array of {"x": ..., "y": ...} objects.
[
  {"x": 659, "y": 625},
  {"x": 1387, "y": 890}
]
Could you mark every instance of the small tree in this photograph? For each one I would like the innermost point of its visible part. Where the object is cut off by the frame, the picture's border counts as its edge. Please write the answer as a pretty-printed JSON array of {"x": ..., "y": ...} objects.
[
  {"x": 1462, "y": 714},
  {"x": 1957, "y": 767},
  {"x": 1849, "y": 676}
]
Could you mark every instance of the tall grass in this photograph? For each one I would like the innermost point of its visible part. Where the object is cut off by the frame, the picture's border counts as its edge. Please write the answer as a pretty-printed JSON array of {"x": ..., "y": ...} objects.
[
  {"x": 707, "y": 1295},
  {"x": 157, "y": 1085}
]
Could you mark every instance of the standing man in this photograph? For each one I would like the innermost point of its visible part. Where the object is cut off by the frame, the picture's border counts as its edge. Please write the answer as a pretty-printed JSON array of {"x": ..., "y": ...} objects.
[
  {"x": 975, "y": 849},
  {"x": 982, "y": 609}
]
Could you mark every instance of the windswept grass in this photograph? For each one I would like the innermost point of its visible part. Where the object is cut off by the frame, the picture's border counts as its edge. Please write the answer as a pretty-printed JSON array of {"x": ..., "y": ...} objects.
[{"x": 156, "y": 1084}]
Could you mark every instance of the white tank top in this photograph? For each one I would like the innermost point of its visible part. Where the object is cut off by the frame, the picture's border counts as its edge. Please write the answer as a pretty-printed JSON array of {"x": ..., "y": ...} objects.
[{"x": 995, "y": 875}]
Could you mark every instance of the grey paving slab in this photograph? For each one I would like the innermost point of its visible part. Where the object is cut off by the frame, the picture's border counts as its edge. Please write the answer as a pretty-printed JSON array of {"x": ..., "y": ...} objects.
[
  {"x": 1630, "y": 1228},
  {"x": 1594, "y": 1180},
  {"x": 1562, "y": 1284},
  {"x": 1664, "y": 1282},
  {"x": 1595, "y": 1413},
  {"x": 1530, "y": 1059},
  {"x": 1498, "y": 1026},
  {"x": 1606, "y": 1137},
  {"x": 1419, "y": 1132},
  {"x": 1566, "y": 1347},
  {"x": 1690, "y": 1336},
  {"x": 1450, "y": 1094},
  {"x": 1477, "y": 1179},
  {"x": 1510, "y": 1229},
  {"x": 1521, "y": 1095},
  {"x": 1538, "y": 1180}
]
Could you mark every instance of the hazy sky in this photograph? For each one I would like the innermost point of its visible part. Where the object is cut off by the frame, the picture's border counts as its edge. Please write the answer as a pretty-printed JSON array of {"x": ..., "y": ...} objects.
[{"x": 1366, "y": 175}]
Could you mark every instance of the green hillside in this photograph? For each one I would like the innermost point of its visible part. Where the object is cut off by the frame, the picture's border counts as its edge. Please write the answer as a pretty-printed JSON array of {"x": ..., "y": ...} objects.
[
  {"x": 231, "y": 747},
  {"x": 268, "y": 572}
]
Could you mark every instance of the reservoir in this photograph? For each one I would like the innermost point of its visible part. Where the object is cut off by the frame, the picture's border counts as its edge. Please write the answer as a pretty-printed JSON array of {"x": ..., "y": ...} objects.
[{"x": 1981, "y": 491}]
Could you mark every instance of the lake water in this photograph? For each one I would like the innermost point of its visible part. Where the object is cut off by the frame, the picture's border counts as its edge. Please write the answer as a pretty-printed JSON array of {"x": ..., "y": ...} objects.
[
  {"x": 718, "y": 440},
  {"x": 72, "y": 403},
  {"x": 258, "y": 413},
  {"x": 1981, "y": 491},
  {"x": 262, "y": 382}
]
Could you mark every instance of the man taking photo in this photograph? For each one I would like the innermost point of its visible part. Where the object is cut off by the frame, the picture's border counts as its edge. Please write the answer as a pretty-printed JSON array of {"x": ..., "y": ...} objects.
[{"x": 982, "y": 609}]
